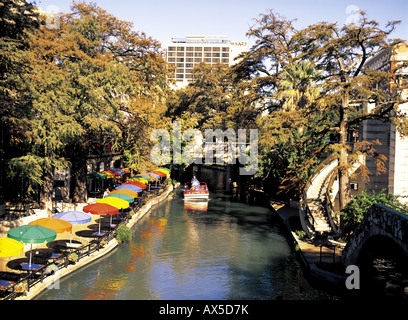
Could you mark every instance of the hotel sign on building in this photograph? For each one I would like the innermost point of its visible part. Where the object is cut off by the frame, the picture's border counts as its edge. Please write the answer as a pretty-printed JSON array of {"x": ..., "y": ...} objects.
[{"x": 185, "y": 53}]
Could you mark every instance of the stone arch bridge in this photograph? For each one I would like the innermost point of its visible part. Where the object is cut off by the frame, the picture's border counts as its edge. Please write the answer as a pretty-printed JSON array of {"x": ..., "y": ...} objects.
[{"x": 380, "y": 222}]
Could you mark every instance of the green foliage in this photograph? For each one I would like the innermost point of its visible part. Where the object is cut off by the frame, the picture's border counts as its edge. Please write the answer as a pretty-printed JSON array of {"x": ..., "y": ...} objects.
[
  {"x": 124, "y": 234},
  {"x": 355, "y": 210},
  {"x": 91, "y": 81},
  {"x": 300, "y": 233}
]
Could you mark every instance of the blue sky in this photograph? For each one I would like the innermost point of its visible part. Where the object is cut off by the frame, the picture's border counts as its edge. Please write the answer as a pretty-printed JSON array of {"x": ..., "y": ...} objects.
[{"x": 164, "y": 19}]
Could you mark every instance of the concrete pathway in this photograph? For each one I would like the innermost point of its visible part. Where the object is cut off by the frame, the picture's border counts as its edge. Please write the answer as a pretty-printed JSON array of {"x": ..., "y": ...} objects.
[{"x": 313, "y": 251}]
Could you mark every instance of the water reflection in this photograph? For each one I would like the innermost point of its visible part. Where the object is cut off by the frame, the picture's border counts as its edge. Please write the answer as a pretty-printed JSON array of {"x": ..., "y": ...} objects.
[
  {"x": 195, "y": 205},
  {"x": 228, "y": 250}
]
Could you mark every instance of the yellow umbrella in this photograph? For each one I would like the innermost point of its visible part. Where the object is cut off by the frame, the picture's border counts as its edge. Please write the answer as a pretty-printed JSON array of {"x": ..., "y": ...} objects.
[
  {"x": 115, "y": 202},
  {"x": 108, "y": 175},
  {"x": 164, "y": 171},
  {"x": 10, "y": 247},
  {"x": 140, "y": 180},
  {"x": 58, "y": 225}
]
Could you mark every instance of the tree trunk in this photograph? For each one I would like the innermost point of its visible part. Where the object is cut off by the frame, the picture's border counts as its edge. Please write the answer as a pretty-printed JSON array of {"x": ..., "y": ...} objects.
[
  {"x": 78, "y": 174},
  {"x": 46, "y": 190},
  {"x": 344, "y": 176}
]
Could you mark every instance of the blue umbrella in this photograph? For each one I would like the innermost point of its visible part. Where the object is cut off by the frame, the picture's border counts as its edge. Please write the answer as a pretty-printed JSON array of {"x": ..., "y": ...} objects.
[
  {"x": 129, "y": 187},
  {"x": 154, "y": 175},
  {"x": 74, "y": 217}
]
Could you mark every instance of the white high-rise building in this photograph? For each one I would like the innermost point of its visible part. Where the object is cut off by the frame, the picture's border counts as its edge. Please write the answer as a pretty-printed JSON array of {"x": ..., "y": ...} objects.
[{"x": 185, "y": 53}]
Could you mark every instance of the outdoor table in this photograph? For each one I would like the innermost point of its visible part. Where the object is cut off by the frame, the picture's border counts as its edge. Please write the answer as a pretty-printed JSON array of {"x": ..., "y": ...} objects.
[
  {"x": 31, "y": 267},
  {"x": 98, "y": 234},
  {"x": 55, "y": 255},
  {"x": 4, "y": 284}
]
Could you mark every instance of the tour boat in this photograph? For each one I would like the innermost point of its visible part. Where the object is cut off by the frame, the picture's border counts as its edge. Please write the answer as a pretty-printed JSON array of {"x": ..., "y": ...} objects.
[{"x": 200, "y": 193}]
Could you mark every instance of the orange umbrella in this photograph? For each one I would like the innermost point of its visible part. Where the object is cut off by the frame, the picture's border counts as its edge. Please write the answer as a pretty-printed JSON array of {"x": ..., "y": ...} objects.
[
  {"x": 159, "y": 173},
  {"x": 125, "y": 191},
  {"x": 58, "y": 225}
]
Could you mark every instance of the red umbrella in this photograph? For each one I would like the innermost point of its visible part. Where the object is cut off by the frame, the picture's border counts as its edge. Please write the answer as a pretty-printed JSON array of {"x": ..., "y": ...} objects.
[
  {"x": 137, "y": 184},
  {"x": 113, "y": 172},
  {"x": 159, "y": 173},
  {"x": 101, "y": 209}
]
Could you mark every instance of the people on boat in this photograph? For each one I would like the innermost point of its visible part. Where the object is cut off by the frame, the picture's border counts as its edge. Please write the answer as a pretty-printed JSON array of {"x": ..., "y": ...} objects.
[{"x": 195, "y": 184}]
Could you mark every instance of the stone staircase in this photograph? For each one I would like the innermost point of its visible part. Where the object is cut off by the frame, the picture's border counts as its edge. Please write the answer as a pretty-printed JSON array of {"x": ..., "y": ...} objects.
[
  {"x": 314, "y": 212},
  {"x": 315, "y": 194}
]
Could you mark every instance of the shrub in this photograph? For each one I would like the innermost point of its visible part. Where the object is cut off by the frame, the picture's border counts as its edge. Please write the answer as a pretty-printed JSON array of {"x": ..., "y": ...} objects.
[
  {"x": 124, "y": 234},
  {"x": 354, "y": 211}
]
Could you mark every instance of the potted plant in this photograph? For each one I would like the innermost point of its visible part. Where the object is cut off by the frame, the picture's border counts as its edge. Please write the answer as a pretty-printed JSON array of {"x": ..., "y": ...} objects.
[{"x": 73, "y": 258}]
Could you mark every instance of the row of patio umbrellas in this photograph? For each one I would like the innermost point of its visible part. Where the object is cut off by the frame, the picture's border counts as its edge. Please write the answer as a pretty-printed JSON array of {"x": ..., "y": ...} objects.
[
  {"x": 46, "y": 229},
  {"x": 109, "y": 173}
]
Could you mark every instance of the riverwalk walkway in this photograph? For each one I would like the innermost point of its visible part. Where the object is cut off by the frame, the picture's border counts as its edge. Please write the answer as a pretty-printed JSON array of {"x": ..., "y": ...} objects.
[
  {"x": 88, "y": 252},
  {"x": 320, "y": 257}
]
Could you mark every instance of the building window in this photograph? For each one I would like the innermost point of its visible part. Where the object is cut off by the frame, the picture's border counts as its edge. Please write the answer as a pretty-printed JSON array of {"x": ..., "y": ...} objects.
[
  {"x": 198, "y": 59},
  {"x": 216, "y": 55},
  {"x": 198, "y": 49},
  {"x": 225, "y": 55},
  {"x": 172, "y": 48},
  {"x": 216, "y": 49},
  {"x": 208, "y": 55},
  {"x": 189, "y": 54},
  {"x": 225, "y": 61},
  {"x": 189, "y": 59},
  {"x": 180, "y": 48},
  {"x": 189, "y": 49},
  {"x": 179, "y": 76},
  {"x": 180, "y": 59},
  {"x": 207, "y": 49},
  {"x": 208, "y": 60},
  {"x": 198, "y": 54},
  {"x": 225, "y": 49},
  {"x": 216, "y": 60}
]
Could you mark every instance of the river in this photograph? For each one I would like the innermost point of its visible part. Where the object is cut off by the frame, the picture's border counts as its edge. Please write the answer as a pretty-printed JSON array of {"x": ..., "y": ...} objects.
[{"x": 225, "y": 250}]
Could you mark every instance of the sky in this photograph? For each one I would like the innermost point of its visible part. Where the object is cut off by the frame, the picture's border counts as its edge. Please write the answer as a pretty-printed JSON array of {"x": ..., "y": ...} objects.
[{"x": 166, "y": 19}]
